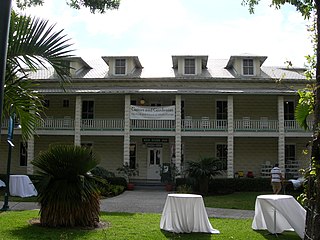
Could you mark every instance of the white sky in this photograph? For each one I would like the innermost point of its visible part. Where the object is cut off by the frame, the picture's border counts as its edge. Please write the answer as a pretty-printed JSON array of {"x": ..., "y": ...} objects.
[{"x": 155, "y": 30}]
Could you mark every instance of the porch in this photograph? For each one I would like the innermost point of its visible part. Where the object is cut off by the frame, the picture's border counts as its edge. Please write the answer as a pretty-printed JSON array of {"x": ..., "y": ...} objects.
[{"x": 203, "y": 124}]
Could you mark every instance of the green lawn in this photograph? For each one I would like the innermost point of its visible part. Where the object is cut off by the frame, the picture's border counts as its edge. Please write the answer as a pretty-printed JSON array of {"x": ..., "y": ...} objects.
[
  {"x": 236, "y": 200},
  {"x": 124, "y": 226}
]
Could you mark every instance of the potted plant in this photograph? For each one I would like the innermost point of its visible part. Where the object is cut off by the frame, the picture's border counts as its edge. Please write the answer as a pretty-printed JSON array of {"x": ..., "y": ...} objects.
[
  {"x": 167, "y": 173},
  {"x": 128, "y": 172}
]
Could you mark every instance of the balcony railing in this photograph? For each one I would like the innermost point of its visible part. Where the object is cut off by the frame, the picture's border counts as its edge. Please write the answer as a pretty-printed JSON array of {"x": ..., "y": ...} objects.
[
  {"x": 168, "y": 125},
  {"x": 102, "y": 124},
  {"x": 256, "y": 125},
  {"x": 163, "y": 125}
]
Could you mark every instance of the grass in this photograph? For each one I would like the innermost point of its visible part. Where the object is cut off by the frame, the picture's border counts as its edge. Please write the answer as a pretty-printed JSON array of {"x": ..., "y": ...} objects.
[
  {"x": 17, "y": 199},
  {"x": 123, "y": 226},
  {"x": 236, "y": 200}
]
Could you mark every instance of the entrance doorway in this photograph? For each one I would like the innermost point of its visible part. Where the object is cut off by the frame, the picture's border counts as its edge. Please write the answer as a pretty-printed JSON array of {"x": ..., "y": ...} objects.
[{"x": 154, "y": 163}]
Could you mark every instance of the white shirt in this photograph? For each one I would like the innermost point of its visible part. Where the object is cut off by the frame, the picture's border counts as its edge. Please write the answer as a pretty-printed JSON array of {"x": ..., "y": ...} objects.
[{"x": 275, "y": 174}]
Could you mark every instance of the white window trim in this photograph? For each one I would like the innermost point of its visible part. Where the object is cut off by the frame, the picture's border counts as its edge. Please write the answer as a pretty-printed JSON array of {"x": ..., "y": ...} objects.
[
  {"x": 126, "y": 67},
  {"x": 195, "y": 67},
  {"x": 242, "y": 66}
]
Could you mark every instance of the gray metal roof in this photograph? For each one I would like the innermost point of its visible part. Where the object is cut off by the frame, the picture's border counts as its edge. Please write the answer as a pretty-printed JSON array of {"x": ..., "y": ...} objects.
[{"x": 216, "y": 69}]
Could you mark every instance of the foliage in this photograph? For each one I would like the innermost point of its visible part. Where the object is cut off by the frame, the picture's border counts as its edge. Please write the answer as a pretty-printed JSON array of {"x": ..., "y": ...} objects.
[
  {"x": 203, "y": 170},
  {"x": 68, "y": 195},
  {"x": 305, "y": 7},
  {"x": 168, "y": 172},
  {"x": 127, "y": 172},
  {"x": 94, "y": 5},
  {"x": 184, "y": 189},
  {"x": 206, "y": 167},
  {"x": 32, "y": 45},
  {"x": 117, "y": 181},
  {"x": 102, "y": 172}
]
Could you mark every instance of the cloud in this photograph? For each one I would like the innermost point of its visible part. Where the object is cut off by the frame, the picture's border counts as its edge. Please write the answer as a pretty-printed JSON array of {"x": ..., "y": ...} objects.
[{"x": 158, "y": 29}]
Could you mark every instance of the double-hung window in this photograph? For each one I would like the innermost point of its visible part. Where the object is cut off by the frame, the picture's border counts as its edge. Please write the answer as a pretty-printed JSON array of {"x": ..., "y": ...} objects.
[
  {"x": 87, "y": 109},
  {"x": 248, "y": 67},
  {"x": 189, "y": 66},
  {"x": 120, "y": 66},
  {"x": 222, "y": 155}
]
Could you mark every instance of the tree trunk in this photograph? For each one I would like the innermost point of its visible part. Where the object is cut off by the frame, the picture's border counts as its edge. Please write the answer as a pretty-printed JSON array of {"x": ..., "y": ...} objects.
[{"x": 313, "y": 194}]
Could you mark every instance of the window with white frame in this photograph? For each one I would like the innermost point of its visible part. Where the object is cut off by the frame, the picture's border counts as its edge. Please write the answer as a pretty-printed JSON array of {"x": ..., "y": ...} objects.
[
  {"x": 290, "y": 152},
  {"x": 189, "y": 66},
  {"x": 248, "y": 67},
  {"x": 120, "y": 66},
  {"x": 288, "y": 110},
  {"x": 133, "y": 156},
  {"x": 222, "y": 154},
  {"x": 87, "y": 109}
]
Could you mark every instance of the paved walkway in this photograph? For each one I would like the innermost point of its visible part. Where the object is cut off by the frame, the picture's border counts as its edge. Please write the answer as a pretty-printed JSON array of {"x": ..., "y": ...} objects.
[{"x": 141, "y": 201}]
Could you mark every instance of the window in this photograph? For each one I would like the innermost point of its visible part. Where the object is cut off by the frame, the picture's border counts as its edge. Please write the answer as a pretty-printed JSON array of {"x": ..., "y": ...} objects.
[
  {"x": 222, "y": 113},
  {"x": 120, "y": 66},
  {"x": 132, "y": 155},
  {"x": 23, "y": 154},
  {"x": 288, "y": 110},
  {"x": 189, "y": 66},
  {"x": 222, "y": 154},
  {"x": 65, "y": 103},
  {"x": 87, "y": 109},
  {"x": 222, "y": 110},
  {"x": 133, "y": 102},
  {"x": 182, "y": 107},
  {"x": 290, "y": 152},
  {"x": 46, "y": 103},
  {"x": 248, "y": 68}
]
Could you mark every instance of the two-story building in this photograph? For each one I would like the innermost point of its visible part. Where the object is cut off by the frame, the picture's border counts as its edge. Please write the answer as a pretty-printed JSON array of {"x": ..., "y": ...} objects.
[{"x": 235, "y": 109}]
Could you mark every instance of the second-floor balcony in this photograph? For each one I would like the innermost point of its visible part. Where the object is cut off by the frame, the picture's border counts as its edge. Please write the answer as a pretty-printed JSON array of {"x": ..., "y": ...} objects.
[{"x": 203, "y": 124}]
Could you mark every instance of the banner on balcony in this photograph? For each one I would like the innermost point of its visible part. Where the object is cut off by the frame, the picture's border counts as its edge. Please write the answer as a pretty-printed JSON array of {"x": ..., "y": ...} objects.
[{"x": 153, "y": 113}]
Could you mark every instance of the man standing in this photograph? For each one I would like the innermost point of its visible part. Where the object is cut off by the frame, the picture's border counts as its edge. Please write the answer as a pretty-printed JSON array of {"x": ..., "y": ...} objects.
[{"x": 276, "y": 179}]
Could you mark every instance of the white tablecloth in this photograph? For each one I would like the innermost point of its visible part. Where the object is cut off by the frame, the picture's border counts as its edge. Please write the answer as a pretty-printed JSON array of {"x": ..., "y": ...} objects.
[
  {"x": 2, "y": 184},
  {"x": 278, "y": 213},
  {"x": 21, "y": 185},
  {"x": 185, "y": 213}
]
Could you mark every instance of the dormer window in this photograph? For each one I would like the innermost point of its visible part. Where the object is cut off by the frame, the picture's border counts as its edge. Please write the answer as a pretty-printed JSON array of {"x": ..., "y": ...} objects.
[
  {"x": 120, "y": 66},
  {"x": 189, "y": 66},
  {"x": 248, "y": 67}
]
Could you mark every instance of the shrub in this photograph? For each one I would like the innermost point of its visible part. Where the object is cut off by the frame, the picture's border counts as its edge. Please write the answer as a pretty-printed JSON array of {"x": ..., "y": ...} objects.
[{"x": 68, "y": 195}]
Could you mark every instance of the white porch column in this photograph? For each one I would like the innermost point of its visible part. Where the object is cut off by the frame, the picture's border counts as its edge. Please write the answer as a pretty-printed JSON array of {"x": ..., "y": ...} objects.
[
  {"x": 30, "y": 154},
  {"x": 126, "y": 138},
  {"x": 281, "y": 139},
  {"x": 230, "y": 164},
  {"x": 178, "y": 140},
  {"x": 77, "y": 121}
]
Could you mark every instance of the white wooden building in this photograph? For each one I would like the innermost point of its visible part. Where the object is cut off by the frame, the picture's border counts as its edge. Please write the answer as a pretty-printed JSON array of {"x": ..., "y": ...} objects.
[{"x": 234, "y": 109}]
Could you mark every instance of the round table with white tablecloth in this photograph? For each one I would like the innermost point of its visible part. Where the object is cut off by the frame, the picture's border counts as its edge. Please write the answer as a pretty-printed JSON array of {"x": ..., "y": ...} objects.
[{"x": 185, "y": 213}]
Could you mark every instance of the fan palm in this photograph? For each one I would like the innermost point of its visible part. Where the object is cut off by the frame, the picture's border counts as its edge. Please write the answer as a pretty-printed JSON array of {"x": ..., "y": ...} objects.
[
  {"x": 33, "y": 44},
  {"x": 203, "y": 170},
  {"x": 68, "y": 195}
]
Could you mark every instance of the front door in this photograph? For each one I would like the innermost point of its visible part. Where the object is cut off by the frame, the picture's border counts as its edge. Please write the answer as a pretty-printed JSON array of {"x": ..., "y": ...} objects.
[{"x": 154, "y": 162}]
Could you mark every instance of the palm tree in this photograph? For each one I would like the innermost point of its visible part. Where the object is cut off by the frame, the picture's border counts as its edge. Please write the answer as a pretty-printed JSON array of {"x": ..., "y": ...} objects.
[
  {"x": 68, "y": 193},
  {"x": 33, "y": 44},
  {"x": 203, "y": 170}
]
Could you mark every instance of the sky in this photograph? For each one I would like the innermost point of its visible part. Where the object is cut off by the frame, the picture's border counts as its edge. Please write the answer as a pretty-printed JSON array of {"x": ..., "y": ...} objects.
[{"x": 154, "y": 30}]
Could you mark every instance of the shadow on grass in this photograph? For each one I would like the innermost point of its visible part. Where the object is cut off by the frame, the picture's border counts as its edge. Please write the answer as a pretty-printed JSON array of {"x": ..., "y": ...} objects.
[
  {"x": 35, "y": 231},
  {"x": 201, "y": 236},
  {"x": 281, "y": 236}
]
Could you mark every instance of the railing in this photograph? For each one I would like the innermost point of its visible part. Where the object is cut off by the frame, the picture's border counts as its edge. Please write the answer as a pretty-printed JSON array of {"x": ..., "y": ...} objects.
[
  {"x": 102, "y": 124},
  {"x": 204, "y": 125},
  {"x": 168, "y": 125},
  {"x": 56, "y": 124},
  {"x": 163, "y": 125},
  {"x": 256, "y": 125},
  {"x": 293, "y": 126}
]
